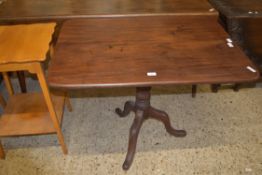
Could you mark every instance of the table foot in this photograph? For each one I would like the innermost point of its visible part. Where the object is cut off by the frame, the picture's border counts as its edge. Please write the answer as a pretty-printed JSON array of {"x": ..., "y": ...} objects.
[
  {"x": 164, "y": 118},
  {"x": 236, "y": 87},
  {"x": 129, "y": 106},
  {"x": 215, "y": 87},
  {"x": 143, "y": 110},
  {"x": 194, "y": 90},
  {"x": 133, "y": 134}
]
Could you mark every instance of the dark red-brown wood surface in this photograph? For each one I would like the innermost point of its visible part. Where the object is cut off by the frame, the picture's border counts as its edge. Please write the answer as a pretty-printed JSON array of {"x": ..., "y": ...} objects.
[
  {"x": 111, "y": 52},
  {"x": 36, "y": 10}
]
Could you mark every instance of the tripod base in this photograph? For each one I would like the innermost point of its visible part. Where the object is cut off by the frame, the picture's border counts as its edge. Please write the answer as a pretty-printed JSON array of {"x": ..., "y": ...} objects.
[{"x": 143, "y": 110}]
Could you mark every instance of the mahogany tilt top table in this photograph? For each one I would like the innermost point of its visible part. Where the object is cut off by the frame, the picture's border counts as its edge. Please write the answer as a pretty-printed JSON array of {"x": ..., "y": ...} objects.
[{"x": 142, "y": 52}]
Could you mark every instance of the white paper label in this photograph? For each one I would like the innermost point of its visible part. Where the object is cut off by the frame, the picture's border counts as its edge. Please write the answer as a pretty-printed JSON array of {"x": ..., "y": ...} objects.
[
  {"x": 229, "y": 40},
  {"x": 251, "y": 69},
  {"x": 151, "y": 74},
  {"x": 230, "y": 45}
]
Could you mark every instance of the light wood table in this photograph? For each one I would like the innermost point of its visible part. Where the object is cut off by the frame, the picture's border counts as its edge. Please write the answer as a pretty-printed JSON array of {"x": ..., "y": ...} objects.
[{"x": 24, "y": 48}]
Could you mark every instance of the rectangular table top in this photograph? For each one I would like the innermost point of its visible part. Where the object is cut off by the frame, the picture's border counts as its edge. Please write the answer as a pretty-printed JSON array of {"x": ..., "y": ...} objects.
[
  {"x": 37, "y": 10},
  {"x": 115, "y": 52},
  {"x": 238, "y": 8}
]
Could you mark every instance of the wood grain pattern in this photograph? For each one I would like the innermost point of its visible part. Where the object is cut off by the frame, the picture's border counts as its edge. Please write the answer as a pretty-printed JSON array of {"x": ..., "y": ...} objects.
[
  {"x": 37, "y": 10},
  {"x": 114, "y": 52},
  {"x": 25, "y": 43},
  {"x": 8, "y": 84}
]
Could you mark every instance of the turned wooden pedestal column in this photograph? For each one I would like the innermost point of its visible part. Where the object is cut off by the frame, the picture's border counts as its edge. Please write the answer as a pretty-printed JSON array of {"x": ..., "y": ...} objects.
[{"x": 143, "y": 110}]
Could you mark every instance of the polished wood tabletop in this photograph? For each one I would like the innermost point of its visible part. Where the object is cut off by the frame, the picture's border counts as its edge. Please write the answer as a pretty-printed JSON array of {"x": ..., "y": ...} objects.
[
  {"x": 37, "y": 10},
  {"x": 146, "y": 51},
  {"x": 238, "y": 8}
]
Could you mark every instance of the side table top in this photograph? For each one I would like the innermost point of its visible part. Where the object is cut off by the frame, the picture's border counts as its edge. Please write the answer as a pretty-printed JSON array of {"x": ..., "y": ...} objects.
[
  {"x": 24, "y": 43},
  {"x": 37, "y": 10},
  {"x": 146, "y": 51}
]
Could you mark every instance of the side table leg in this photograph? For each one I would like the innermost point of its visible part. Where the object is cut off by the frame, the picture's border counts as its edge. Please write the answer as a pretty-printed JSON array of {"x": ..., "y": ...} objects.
[
  {"x": 68, "y": 103},
  {"x": 194, "y": 90},
  {"x": 50, "y": 107},
  {"x": 214, "y": 87},
  {"x": 2, "y": 153},
  {"x": 2, "y": 101},
  {"x": 21, "y": 79},
  {"x": 236, "y": 87}
]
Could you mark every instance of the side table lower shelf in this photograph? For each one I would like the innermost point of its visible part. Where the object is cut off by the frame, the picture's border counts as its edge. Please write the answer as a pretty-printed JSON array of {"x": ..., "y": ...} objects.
[{"x": 27, "y": 114}]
